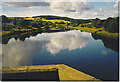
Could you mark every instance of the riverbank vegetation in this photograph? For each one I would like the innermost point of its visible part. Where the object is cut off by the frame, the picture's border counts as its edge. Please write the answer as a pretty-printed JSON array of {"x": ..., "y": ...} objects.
[{"x": 12, "y": 25}]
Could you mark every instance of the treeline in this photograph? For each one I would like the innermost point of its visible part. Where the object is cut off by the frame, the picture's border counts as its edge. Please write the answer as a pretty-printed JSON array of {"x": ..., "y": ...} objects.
[
  {"x": 50, "y": 17},
  {"x": 77, "y": 22},
  {"x": 73, "y": 22},
  {"x": 11, "y": 24},
  {"x": 110, "y": 24}
]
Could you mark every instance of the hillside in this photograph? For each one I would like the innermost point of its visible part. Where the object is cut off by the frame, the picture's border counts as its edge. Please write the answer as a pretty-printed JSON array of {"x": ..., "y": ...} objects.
[{"x": 51, "y": 17}]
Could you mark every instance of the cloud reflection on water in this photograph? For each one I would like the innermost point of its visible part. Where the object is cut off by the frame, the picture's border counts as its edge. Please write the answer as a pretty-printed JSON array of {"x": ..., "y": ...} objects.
[
  {"x": 17, "y": 53},
  {"x": 64, "y": 40},
  {"x": 20, "y": 53},
  {"x": 70, "y": 40}
]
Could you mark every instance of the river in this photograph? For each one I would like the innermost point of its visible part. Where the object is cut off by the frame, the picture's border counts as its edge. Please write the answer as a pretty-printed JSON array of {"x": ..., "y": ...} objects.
[{"x": 81, "y": 50}]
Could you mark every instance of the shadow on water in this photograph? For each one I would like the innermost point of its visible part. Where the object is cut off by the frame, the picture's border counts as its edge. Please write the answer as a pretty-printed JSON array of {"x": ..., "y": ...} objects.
[
  {"x": 21, "y": 37},
  {"x": 108, "y": 42},
  {"x": 32, "y": 76}
]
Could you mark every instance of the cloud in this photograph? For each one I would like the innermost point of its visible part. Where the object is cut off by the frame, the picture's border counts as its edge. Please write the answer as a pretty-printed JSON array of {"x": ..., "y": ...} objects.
[
  {"x": 117, "y": 4},
  {"x": 70, "y": 10},
  {"x": 101, "y": 9},
  {"x": 30, "y": 12},
  {"x": 58, "y": 0},
  {"x": 23, "y": 0},
  {"x": 76, "y": 10},
  {"x": 86, "y": 14},
  {"x": 70, "y": 40},
  {"x": 98, "y": 13},
  {"x": 109, "y": 4},
  {"x": 71, "y": 6},
  {"x": 27, "y": 4}
]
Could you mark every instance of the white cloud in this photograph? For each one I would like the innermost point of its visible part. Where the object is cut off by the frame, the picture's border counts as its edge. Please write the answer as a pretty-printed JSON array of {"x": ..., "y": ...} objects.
[
  {"x": 71, "y": 6},
  {"x": 58, "y": 0},
  {"x": 27, "y": 4},
  {"x": 109, "y": 4},
  {"x": 101, "y": 9},
  {"x": 117, "y": 4},
  {"x": 102, "y": 14},
  {"x": 71, "y": 9},
  {"x": 68, "y": 9},
  {"x": 23, "y": 0},
  {"x": 86, "y": 14}
]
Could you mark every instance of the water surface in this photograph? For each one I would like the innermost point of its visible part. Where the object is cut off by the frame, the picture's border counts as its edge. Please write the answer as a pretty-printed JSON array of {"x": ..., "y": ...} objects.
[{"x": 81, "y": 50}]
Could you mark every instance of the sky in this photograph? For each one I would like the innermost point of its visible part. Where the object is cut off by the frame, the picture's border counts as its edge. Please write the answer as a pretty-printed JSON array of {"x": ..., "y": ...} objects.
[{"x": 78, "y": 9}]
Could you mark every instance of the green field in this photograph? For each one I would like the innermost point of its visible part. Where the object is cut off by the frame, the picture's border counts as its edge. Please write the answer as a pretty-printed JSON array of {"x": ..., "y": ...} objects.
[
  {"x": 96, "y": 30},
  {"x": 55, "y": 23}
]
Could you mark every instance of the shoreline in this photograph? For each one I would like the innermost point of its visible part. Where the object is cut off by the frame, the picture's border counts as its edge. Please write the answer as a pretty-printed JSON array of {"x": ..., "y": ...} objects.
[
  {"x": 90, "y": 30},
  {"x": 99, "y": 32}
]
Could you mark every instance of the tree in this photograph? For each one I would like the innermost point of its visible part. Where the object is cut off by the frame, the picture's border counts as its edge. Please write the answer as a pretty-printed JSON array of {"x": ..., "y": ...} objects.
[
  {"x": 112, "y": 25},
  {"x": 24, "y": 23},
  {"x": 97, "y": 23},
  {"x": 46, "y": 28},
  {"x": 15, "y": 21},
  {"x": 82, "y": 25},
  {"x": 61, "y": 22},
  {"x": 61, "y": 27},
  {"x": 4, "y": 19}
]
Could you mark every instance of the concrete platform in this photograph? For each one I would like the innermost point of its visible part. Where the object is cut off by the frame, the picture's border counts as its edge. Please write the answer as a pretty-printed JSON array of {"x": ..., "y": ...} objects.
[{"x": 59, "y": 72}]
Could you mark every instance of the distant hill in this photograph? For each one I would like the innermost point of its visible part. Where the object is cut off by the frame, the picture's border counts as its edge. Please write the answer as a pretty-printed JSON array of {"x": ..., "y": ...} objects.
[{"x": 51, "y": 17}]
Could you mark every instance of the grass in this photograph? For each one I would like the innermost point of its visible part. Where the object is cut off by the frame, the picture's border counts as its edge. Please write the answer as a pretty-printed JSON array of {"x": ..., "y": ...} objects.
[
  {"x": 53, "y": 21},
  {"x": 53, "y": 28},
  {"x": 21, "y": 29},
  {"x": 43, "y": 19},
  {"x": 91, "y": 30},
  {"x": 18, "y": 30},
  {"x": 5, "y": 32},
  {"x": 96, "y": 30},
  {"x": 28, "y": 18},
  {"x": 107, "y": 34},
  {"x": 99, "y": 31}
]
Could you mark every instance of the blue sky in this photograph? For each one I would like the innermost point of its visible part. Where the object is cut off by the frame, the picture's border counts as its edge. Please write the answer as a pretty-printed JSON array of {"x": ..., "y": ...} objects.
[{"x": 84, "y": 9}]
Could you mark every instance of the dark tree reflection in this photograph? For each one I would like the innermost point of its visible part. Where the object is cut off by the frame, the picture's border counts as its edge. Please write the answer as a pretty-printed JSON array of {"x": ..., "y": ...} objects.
[
  {"x": 108, "y": 42},
  {"x": 21, "y": 37}
]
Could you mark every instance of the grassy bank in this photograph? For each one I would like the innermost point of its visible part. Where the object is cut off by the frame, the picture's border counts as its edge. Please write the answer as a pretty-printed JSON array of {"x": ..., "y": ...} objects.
[{"x": 99, "y": 31}]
